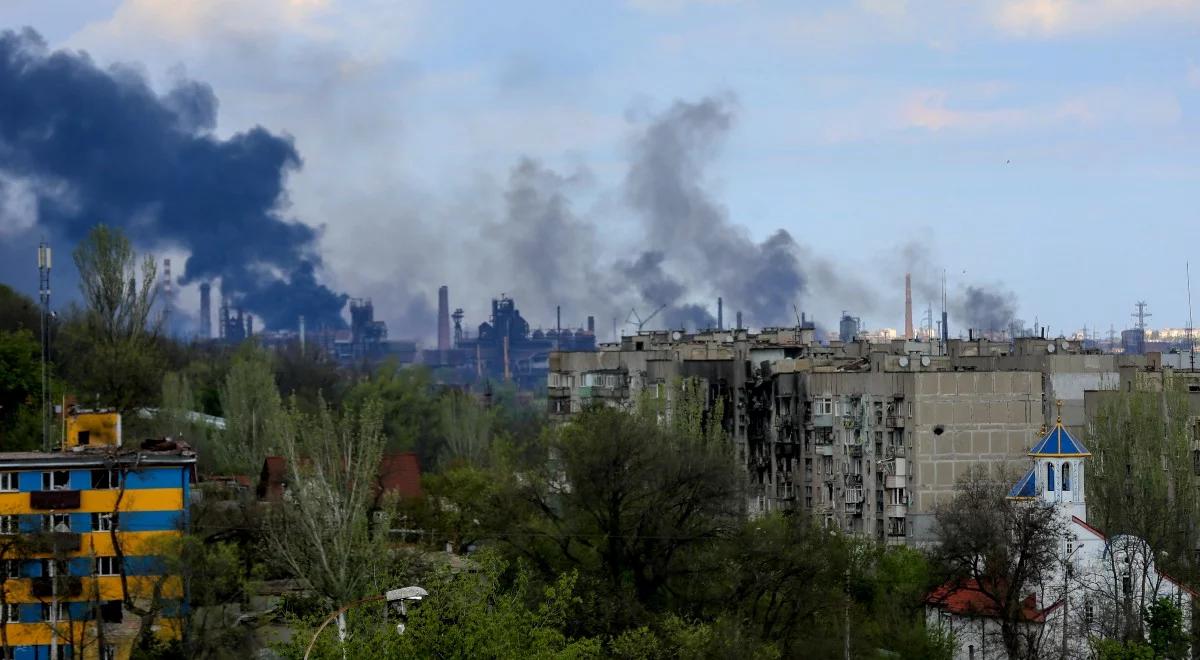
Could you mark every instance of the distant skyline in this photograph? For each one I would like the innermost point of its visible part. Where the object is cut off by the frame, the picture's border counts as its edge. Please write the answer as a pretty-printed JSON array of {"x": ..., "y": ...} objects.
[{"x": 1045, "y": 149}]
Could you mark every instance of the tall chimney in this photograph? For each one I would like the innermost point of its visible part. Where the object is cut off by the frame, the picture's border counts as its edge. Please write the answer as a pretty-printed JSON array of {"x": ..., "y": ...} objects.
[
  {"x": 443, "y": 322},
  {"x": 205, "y": 310},
  {"x": 507, "y": 373},
  {"x": 720, "y": 314},
  {"x": 249, "y": 326},
  {"x": 301, "y": 334},
  {"x": 739, "y": 321},
  {"x": 945, "y": 328},
  {"x": 591, "y": 325},
  {"x": 908, "y": 321},
  {"x": 557, "y": 327}
]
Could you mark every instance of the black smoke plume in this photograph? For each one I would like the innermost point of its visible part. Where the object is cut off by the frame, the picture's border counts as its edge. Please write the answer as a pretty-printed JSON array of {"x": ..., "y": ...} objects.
[
  {"x": 97, "y": 145},
  {"x": 983, "y": 309},
  {"x": 666, "y": 185}
]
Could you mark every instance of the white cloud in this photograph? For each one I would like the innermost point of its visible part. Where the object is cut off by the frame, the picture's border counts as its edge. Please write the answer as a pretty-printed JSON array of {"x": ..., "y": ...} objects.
[{"x": 1053, "y": 18}]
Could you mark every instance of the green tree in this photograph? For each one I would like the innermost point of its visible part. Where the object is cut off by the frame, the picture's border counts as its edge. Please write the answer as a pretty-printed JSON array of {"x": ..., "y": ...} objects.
[
  {"x": 254, "y": 414},
  {"x": 20, "y": 390},
  {"x": 323, "y": 534},
  {"x": 110, "y": 349},
  {"x": 1141, "y": 481},
  {"x": 18, "y": 312},
  {"x": 410, "y": 411},
  {"x": 1164, "y": 623},
  {"x": 631, "y": 503}
]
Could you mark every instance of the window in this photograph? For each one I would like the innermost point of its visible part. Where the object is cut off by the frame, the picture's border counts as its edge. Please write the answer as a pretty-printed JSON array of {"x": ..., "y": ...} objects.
[
  {"x": 1050, "y": 477},
  {"x": 111, "y": 611},
  {"x": 1089, "y": 613},
  {"x": 8, "y": 482},
  {"x": 56, "y": 522},
  {"x": 1066, "y": 476},
  {"x": 57, "y": 480},
  {"x": 60, "y": 613},
  {"x": 106, "y": 478},
  {"x": 1070, "y": 545},
  {"x": 10, "y": 613},
  {"x": 10, "y": 569},
  {"x": 971, "y": 652},
  {"x": 108, "y": 652},
  {"x": 103, "y": 522},
  {"x": 9, "y": 524},
  {"x": 107, "y": 566},
  {"x": 84, "y": 437}
]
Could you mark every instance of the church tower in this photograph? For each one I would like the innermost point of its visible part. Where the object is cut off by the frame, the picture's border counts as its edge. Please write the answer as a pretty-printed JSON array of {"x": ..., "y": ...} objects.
[{"x": 1057, "y": 474}]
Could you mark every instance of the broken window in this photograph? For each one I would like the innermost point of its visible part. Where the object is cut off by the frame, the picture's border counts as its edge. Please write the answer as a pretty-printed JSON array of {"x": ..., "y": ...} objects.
[{"x": 56, "y": 480}]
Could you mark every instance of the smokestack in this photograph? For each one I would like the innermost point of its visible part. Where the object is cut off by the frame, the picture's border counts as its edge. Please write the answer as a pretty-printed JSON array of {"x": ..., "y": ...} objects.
[
  {"x": 592, "y": 325},
  {"x": 301, "y": 334},
  {"x": 908, "y": 321},
  {"x": 443, "y": 327},
  {"x": 249, "y": 326},
  {"x": 945, "y": 328},
  {"x": 557, "y": 326},
  {"x": 506, "y": 372},
  {"x": 720, "y": 314},
  {"x": 205, "y": 310},
  {"x": 739, "y": 321}
]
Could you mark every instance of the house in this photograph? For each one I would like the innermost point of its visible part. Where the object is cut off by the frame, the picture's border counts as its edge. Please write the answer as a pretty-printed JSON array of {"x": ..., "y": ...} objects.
[
  {"x": 399, "y": 473},
  {"x": 1098, "y": 588},
  {"x": 83, "y": 532}
]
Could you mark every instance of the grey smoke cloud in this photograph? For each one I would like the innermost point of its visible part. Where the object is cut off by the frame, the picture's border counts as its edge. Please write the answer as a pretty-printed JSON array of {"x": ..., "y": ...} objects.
[
  {"x": 981, "y": 308},
  {"x": 666, "y": 186}
]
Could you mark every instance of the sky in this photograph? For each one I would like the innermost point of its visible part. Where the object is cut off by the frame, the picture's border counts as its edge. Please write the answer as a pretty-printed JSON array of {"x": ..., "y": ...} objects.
[{"x": 1041, "y": 150}]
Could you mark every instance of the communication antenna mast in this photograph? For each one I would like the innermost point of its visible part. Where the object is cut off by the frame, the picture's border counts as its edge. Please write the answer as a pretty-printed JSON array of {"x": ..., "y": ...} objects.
[{"x": 44, "y": 297}]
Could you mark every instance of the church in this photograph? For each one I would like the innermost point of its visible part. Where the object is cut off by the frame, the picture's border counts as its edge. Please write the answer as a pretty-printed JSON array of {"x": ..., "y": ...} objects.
[{"x": 1098, "y": 588}]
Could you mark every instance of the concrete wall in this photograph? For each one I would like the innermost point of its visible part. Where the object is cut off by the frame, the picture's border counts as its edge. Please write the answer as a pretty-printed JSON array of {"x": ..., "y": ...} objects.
[{"x": 989, "y": 417}]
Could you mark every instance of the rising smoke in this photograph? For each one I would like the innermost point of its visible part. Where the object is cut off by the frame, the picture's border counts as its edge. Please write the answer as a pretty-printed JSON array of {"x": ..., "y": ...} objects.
[
  {"x": 985, "y": 309},
  {"x": 81, "y": 145}
]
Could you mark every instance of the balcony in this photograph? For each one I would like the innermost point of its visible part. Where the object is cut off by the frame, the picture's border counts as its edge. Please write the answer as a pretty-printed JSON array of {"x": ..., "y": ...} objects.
[
  {"x": 895, "y": 421},
  {"x": 895, "y": 510},
  {"x": 822, "y": 421},
  {"x": 69, "y": 586},
  {"x": 856, "y": 451},
  {"x": 893, "y": 452},
  {"x": 53, "y": 542},
  {"x": 895, "y": 481},
  {"x": 895, "y": 539},
  {"x": 53, "y": 500}
]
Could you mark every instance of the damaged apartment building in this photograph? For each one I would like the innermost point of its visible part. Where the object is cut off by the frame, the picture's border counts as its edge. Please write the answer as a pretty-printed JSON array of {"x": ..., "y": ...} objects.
[{"x": 864, "y": 437}]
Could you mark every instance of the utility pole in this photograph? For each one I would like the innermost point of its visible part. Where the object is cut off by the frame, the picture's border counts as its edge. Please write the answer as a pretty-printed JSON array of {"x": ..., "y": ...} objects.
[
  {"x": 1191, "y": 341},
  {"x": 44, "y": 297}
]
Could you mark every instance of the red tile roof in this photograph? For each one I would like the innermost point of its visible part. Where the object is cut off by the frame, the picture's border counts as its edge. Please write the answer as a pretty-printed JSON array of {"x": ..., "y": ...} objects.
[
  {"x": 399, "y": 472},
  {"x": 967, "y": 599}
]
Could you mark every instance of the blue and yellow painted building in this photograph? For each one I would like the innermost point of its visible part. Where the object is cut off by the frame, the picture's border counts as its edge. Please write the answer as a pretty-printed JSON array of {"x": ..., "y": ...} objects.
[{"x": 86, "y": 536}]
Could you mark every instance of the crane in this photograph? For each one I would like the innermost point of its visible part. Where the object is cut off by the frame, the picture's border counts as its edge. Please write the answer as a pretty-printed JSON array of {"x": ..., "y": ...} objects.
[{"x": 635, "y": 319}]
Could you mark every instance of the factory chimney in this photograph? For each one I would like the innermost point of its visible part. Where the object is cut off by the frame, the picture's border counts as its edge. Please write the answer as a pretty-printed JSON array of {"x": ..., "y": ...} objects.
[
  {"x": 557, "y": 328},
  {"x": 720, "y": 314},
  {"x": 249, "y": 326},
  {"x": 739, "y": 321},
  {"x": 301, "y": 334},
  {"x": 908, "y": 320},
  {"x": 205, "y": 310},
  {"x": 443, "y": 322},
  {"x": 592, "y": 325}
]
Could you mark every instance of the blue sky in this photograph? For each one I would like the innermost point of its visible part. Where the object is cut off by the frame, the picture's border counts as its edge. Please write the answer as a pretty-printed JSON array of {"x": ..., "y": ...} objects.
[{"x": 1043, "y": 147}]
